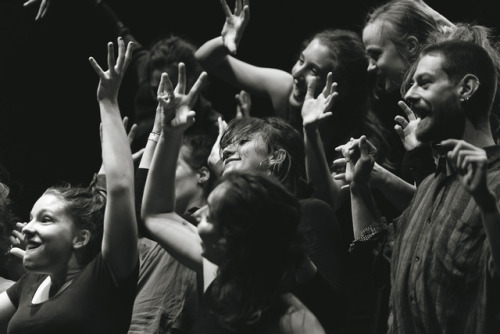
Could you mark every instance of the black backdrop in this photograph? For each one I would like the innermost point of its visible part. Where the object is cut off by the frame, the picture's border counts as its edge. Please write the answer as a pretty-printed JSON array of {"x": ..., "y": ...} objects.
[{"x": 49, "y": 115}]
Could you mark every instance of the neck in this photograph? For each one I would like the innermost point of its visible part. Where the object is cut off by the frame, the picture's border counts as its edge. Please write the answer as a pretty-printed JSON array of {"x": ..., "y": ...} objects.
[
  {"x": 197, "y": 201},
  {"x": 479, "y": 136},
  {"x": 66, "y": 275}
]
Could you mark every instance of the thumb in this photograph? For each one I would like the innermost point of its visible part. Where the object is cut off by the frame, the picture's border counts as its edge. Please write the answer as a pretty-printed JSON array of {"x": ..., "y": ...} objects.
[{"x": 18, "y": 252}]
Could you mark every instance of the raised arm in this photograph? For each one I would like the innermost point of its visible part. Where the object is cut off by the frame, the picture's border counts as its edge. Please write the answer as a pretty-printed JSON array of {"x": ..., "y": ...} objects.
[
  {"x": 217, "y": 58},
  {"x": 314, "y": 110},
  {"x": 158, "y": 205},
  {"x": 119, "y": 244}
]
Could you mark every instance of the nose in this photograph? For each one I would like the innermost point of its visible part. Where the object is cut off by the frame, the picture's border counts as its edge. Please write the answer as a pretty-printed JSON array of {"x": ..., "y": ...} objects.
[
  {"x": 228, "y": 151},
  {"x": 411, "y": 94},
  {"x": 372, "y": 66},
  {"x": 29, "y": 229},
  {"x": 298, "y": 70}
]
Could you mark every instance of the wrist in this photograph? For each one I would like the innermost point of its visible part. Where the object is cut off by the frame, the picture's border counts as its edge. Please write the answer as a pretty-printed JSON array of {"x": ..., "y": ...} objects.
[{"x": 154, "y": 136}]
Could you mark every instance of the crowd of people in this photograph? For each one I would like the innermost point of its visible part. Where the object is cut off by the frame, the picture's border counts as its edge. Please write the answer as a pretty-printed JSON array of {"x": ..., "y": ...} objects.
[{"x": 365, "y": 200}]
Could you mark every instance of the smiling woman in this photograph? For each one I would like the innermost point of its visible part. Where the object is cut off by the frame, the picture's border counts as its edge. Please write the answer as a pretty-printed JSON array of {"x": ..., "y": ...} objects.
[{"x": 82, "y": 243}]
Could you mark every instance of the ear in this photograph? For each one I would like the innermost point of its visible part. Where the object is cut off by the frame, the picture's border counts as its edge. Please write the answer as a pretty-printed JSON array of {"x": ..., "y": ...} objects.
[
  {"x": 412, "y": 45},
  {"x": 276, "y": 159},
  {"x": 81, "y": 239},
  {"x": 468, "y": 86},
  {"x": 203, "y": 175}
]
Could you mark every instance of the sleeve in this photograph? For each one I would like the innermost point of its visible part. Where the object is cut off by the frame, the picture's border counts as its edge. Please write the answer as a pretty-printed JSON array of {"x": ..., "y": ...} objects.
[{"x": 14, "y": 292}]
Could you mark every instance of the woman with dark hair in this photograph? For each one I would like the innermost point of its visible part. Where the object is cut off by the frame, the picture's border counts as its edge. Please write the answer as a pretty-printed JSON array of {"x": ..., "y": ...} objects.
[
  {"x": 182, "y": 239},
  {"x": 338, "y": 51},
  {"x": 81, "y": 245}
]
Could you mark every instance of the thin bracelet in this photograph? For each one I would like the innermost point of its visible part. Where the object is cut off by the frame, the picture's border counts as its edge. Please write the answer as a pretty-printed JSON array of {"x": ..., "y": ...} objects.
[{"x": 154, "y": 136}]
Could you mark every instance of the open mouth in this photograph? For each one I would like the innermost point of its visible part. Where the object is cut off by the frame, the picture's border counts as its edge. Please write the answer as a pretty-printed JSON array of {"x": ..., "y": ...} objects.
[
  {"x": 32, "y": 245},
  {"x": 421, "y": 112}
]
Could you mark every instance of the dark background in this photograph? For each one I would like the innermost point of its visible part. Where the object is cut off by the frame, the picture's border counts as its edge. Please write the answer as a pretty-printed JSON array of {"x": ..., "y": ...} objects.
[{"x": 49, "y": 125}]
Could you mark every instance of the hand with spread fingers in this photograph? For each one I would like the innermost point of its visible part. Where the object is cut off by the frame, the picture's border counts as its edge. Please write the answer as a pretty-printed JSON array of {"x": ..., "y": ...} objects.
[
  {"x": 315, "y": 110},
  {"x": 175, "y": 103},
  {"x": 406, "y": 127},
  {"x": 42, "y": 10},
  {"x": 111, "y": 79},
  {"x": 235, "y": 23},
  {"x": 214, "y": 159}
]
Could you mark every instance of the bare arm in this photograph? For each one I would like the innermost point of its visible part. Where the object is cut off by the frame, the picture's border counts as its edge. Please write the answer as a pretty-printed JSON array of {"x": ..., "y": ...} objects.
[
  {"x": 360, "y": 161},
  {"x": 315, "y": 110},
  {"x": 158, "y": 205},
  {"x": 119, "y": 245}
]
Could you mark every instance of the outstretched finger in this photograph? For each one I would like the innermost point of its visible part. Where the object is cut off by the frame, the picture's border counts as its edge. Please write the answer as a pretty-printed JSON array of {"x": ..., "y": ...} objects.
[
  {"x": 97, "y": 68},
  {"x": 17, "y": 252},
  {"x": 245, "y": 14},
  {"x": 196, "y": 89},
  {"x": 131, "y": 134},
  {"x": 401, "y": 120},
  {"x": 407, "y": 110},
  {"x": 225, "y": 8},
  {"x": 121, "y": 52},
  {"x": 237, "y": 7},
  {"x": 166, "y": 85},
  {"x": 327, "y": 89},
  {"x": 181, "y": 79},
  {"x": 28, "y": 3},
  {"x": 111, "y": 56},
  {"x": 311, "y": 87}
]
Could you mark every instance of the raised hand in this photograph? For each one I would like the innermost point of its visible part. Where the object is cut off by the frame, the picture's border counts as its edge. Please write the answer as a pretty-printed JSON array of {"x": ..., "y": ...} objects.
[
  {"x": 214, "y": 159},
  {"x": 243, "y": 104},
  {"x": 235, "y": 23},
  {"x": 470, "y": 162},
  {"x": 406, "y": 128},
  {"x": 42, "y": 10},
  {"x": 314, "y": 110},
  {"x": 175, "y": 103},
  {"x": 110, "y": 80}
]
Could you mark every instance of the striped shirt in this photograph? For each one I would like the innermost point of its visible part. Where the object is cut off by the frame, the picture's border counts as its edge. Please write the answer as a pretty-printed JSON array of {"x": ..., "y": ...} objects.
[{"x": 442, "y": 274}]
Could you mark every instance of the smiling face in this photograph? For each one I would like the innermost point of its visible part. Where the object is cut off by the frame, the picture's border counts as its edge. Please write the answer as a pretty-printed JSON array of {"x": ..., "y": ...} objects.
[
  {"x": 385, "y": 60},
  {"x": 435, "y": 100},
  {"x": 50, "y": 235},
  {"x": 314, "y": 62},
  {"x": 244, "y": 154}
]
